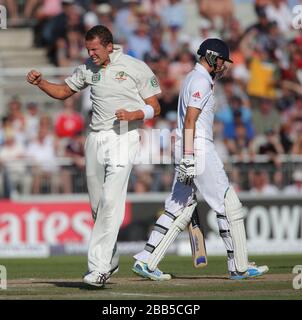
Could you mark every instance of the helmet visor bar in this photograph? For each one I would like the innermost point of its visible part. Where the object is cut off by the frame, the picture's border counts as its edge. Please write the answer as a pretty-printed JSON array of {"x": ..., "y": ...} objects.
[{"x": 211, "y": 57}]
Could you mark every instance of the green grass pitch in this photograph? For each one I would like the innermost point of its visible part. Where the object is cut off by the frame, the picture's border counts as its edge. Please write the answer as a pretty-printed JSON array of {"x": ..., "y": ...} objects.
[{"x": 59, "y": 278}]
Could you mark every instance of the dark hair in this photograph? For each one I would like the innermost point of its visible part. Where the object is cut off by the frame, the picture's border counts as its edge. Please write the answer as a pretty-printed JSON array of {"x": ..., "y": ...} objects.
[{"x": 101, "y": 32}]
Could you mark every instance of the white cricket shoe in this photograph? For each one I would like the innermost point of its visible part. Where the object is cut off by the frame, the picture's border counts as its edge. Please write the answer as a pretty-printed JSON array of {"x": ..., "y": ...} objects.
[
  {"x": 95, "y": 278},
  {"x": 142, "y": 270},
  {"x": 112, "y": 272},
  {"x": 252, "y": 271}
]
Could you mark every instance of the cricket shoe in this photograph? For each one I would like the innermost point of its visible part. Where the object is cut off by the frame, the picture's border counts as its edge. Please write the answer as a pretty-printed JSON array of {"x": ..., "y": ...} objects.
[
  {"x": 95, "y": 278},
  {"x": 112, "y": 272},
  {"x": 142, "y": 270},
  {"x": 251, "y": 272}
]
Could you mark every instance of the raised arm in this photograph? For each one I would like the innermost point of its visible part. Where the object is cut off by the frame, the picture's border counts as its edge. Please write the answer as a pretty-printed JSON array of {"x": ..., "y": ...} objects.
[{"x": 57, "y": 91}]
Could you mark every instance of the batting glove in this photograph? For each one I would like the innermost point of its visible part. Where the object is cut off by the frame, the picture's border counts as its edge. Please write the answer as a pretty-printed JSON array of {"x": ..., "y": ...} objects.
[{"x": 186, "y": 171}]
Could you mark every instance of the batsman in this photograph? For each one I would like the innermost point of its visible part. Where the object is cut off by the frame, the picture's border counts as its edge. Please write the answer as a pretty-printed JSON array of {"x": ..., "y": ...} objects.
[{"x": 199, "y": 169}]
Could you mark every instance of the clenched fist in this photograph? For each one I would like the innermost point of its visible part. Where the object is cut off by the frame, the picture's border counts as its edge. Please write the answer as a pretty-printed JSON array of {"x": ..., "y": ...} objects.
[
  {"x": 124, "y": 115},
  {"x": 34, "y": 77}
]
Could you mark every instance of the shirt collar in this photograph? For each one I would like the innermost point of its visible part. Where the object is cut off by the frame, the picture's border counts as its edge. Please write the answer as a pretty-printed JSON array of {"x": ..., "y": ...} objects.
[
  {"x": 200, "y": 68},
  {"x": 117, "y": 51}
]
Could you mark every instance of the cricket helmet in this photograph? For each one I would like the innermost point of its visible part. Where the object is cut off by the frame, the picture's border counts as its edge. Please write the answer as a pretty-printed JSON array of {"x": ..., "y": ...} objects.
[{"x": 212, "y": 49}]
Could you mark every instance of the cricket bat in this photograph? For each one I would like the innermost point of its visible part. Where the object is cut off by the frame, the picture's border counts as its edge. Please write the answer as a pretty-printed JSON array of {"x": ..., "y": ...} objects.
[{"x": 198, "y": 248}]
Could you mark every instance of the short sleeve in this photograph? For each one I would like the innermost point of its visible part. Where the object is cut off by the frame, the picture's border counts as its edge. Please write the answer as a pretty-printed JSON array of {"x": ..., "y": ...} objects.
[
  {"x": 76, "y": 81},
  {"x": 199, "y": 93},
  {"x": 147, "y": 84}
]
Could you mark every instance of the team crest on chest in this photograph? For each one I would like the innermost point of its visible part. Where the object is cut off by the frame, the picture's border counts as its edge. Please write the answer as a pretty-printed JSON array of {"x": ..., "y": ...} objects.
[
  {"x": 96, "y": 77},
  {"x": 121, "y": 76}
]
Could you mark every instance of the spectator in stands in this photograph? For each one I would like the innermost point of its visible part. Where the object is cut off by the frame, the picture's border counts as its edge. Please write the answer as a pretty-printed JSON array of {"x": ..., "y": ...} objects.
[
  {"x": 205, "y": 30},
  {"x": 218, "y": 11},
  {"x": 295, "y": 188},
  {"x": 154, "y": 7},
  {"x": 13, "y": 171},
  {"x": 156, "y": 51},
  {"x": 126, "y": 20},
  {"x": 42, "y": 9},
  {"x": 297, "y": 144},
  {"x": 181, "y": 66},
  {"x": 260, "y": 26},
  {"x": 239, "y": 143},
  {"x": 278, "y": 11},
  {"x": 6, "y": 125},
  {"x": 37, "y": 13},
  {"x": 162, "y": 70},
  {"x": 57, "y": 28},
  {"x": 99, "y": 13},
  {"x": 219, "y": 142},
  {"x": 17, "y": 118},
  {"x": 259, "y": 6},
  {"x": 173, "y": 15},
  {"x": 74, "y": 174},
  {"x": 139, "y": 42},
  {"x": 41, "y": 153},
  {"x": 69, "y": 122},
  {"x": 236, "y": 112},
  {"x": 32, "y": 119},
  {"x": 172, "y": 42},
  {"x": 295, "y": 113},
  {"x": 272, "y": 147},
  {"x": 285, "y": 137},
  {"x": 263, "y": 76},
  {"x": 70, "y": 50},
  {"x": 151, "y": 14},
  {"x": 266, "y": 118},
  {"x": 240, "y": 146},
  {"x": 169, "y": 97},
  {"x": 144, "y": 161},
  {"x": 261, "y": 185},
  {"x": 292, "y": 71}
]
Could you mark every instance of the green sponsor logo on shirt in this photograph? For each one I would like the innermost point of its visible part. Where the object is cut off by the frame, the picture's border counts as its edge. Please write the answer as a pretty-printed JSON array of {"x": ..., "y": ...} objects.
[
  {"x": 154, "y": 82},
  {"x": 96, "y": 77}
]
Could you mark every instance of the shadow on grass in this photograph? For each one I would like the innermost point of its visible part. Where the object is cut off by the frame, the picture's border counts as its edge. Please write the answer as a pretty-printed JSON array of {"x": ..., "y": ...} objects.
[
  {"x": 199, "y": 277},
  {"x": 73, "y": 284}
]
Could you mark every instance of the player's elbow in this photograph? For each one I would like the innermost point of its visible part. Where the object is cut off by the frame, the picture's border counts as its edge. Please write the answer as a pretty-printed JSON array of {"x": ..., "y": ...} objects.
[{"x": 65, "y": 93}]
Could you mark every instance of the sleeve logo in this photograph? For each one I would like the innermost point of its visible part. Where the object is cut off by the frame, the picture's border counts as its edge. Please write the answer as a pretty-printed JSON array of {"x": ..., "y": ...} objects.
[
  {"x": 196, "y": 95},
  {"x": 154, "y": 82}
]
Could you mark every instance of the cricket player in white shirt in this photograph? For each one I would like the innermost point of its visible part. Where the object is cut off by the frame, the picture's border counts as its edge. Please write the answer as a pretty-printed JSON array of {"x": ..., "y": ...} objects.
[
  {"x": 123, "y": 94},
  {"x": 199, "y": 169}
]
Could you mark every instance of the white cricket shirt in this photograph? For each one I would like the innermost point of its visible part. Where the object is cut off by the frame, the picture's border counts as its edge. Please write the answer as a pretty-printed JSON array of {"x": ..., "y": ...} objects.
[
  {"x": 197, "y": 92},
  {"x": 122, "y": 84}
]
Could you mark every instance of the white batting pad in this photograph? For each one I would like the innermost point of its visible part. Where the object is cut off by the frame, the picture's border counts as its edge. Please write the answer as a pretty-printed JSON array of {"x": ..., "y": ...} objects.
[
  {"x": 177, "y": 226},
  {"x": 235, "y": 216}
]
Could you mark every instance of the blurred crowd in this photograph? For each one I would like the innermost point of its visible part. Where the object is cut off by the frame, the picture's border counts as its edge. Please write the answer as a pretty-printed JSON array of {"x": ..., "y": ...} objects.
[{"x": 258, "y": 125}]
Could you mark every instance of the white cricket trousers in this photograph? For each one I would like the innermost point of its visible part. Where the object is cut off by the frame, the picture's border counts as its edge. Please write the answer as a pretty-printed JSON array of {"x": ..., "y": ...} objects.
[
  {"x": 212, "y": 183},
  {"x": 109, "y": 160}
]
